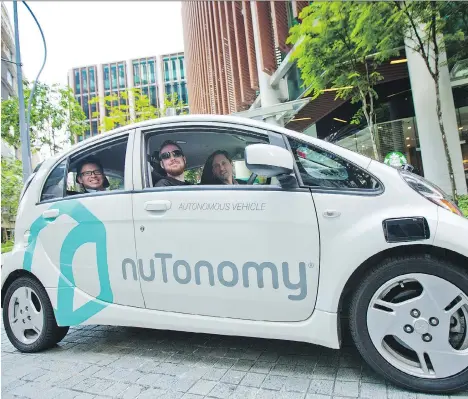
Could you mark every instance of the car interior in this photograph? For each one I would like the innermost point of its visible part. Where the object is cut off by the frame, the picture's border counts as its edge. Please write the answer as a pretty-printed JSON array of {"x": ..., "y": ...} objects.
[{"x": 197, "y": 147}]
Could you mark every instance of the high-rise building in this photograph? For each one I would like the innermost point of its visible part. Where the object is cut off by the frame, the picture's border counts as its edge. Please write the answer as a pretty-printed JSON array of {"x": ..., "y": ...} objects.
[
  {"x": 9, "y": 85},
  {"x": 238, "y": 62},
  {"x": 155, "y": 76}
]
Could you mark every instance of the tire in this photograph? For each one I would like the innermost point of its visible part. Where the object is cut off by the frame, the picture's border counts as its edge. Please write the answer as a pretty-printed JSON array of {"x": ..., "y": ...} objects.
[
  {"x": 41, "y": 311},
  {"x": 407, "y": 281},
  {"x": 61, "y": 333}
]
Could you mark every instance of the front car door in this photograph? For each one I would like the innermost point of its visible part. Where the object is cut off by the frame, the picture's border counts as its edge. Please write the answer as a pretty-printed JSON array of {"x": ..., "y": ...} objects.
[{"x": 247, "y": 251}]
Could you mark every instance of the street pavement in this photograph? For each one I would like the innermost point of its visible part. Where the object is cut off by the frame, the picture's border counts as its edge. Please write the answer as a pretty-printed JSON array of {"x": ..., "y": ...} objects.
[{"x": 116, "y": 362}]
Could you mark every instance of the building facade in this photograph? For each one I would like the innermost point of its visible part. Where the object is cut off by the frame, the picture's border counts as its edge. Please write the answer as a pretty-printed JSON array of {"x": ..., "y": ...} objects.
[
  {"x": 155, "y": 76},
  {"x": 239, "y": 63},
  {"x": 9, "y": 85}
]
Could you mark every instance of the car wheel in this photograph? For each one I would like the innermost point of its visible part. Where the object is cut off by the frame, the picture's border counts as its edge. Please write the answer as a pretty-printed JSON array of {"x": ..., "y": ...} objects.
[
  {"x": 29, "y": 318},
  {"x": 61, "y": 333},
  {"x": 408, "y": 319}
]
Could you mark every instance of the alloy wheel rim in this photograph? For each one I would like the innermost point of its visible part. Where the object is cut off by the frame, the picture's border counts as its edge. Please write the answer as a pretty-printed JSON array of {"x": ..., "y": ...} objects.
[
  {"x": 25, "y": 315},
  {"x": 418, "y": 323}
]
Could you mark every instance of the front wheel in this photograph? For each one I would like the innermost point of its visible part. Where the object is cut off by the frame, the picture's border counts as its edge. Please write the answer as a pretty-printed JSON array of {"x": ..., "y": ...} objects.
[
  {"x": 29, "y": 318},
  {"x": 408, "y": 319}
]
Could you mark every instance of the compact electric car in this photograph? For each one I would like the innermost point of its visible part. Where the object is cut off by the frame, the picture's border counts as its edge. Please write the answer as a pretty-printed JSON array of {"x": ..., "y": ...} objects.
[{"x": 317, "y": 234}]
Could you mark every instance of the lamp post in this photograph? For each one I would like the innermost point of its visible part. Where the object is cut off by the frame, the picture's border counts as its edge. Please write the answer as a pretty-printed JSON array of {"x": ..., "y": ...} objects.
[{"x": 24, "y": 133}]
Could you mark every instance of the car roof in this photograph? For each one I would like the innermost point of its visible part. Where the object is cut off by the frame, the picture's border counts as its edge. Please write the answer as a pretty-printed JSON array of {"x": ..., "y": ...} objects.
[{"x": 210, "y": 118}]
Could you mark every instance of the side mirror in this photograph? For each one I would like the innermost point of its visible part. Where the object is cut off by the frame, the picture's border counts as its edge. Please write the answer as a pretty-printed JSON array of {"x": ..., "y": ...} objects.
[{"x": 271, "y": 161}]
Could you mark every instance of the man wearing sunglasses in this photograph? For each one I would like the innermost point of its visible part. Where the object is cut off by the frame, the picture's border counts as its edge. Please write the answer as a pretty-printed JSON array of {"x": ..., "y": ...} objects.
[
  {"x": 173, "y": 162},
  {"x": 90, "y": 175}
]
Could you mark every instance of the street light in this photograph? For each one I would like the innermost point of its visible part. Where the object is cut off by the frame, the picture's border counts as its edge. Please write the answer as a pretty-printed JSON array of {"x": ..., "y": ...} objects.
[{"x": 24, "y": 119}]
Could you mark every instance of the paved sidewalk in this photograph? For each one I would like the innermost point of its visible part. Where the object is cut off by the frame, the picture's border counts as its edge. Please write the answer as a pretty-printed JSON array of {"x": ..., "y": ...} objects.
[{"x": 103, "y": 362}]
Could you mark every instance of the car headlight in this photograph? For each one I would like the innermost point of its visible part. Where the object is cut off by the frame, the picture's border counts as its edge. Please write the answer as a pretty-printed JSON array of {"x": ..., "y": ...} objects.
[{"x": 430, "y": 191}]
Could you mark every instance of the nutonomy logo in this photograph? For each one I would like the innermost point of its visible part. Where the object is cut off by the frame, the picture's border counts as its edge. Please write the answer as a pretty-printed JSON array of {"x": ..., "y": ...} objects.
[
  {"x": 89, "y": 230},
  {"x": 227, "y": 273}
]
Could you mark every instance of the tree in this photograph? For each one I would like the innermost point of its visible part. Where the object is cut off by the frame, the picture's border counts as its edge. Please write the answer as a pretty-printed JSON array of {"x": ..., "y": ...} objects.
[
  {"x": 56, "y": 117},
  {"x": 119, "y": 112},
  {"x": 428, "y": 27},
  {"x": 338, "y": 39},
  {"x": 12, "y": 183}
]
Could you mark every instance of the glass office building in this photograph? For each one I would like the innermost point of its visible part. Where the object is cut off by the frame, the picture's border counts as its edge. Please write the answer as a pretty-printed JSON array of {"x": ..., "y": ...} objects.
[{"x": 155, "y": 76}]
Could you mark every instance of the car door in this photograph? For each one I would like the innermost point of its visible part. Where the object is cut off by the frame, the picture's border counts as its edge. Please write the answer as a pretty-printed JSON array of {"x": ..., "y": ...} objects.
[
  {"x": 83, "y": 238},
  {"x": 244, "y": 251}
]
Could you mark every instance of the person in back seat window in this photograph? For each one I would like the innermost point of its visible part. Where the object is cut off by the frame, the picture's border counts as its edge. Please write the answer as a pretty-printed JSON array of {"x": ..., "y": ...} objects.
[
  {"x": 173, "y": 162},
  {"x": 90, "y": 175},
  {"x": 219, "y": 169}
]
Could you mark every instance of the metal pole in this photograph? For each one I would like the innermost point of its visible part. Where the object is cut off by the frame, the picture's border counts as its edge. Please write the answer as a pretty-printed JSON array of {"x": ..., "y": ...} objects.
[{"x": 24, "y": 133}]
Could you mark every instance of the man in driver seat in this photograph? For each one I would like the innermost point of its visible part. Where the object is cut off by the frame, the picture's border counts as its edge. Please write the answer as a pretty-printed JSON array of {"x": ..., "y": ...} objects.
[{"x": 173, "y": 163}]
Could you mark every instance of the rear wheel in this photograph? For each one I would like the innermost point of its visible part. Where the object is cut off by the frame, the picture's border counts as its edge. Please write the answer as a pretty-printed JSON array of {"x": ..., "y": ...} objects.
[
  {"x": 408, "y": 319},
  {"x": 29, "y": 318}
]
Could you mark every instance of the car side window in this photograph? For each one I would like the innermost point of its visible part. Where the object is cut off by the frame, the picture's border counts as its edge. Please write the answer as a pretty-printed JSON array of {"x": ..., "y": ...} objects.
[
  {"x": 53, "y": 187},
  {"x": 106, "y": 171},
  {"x": 110, "y": 157},
  {"x": 320, "y": 168},
  {"x": 199, "y": 147}
]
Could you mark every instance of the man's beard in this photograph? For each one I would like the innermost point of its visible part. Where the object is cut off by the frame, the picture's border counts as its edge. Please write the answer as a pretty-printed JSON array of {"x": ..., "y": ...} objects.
[{"x": 175, "y": 170}]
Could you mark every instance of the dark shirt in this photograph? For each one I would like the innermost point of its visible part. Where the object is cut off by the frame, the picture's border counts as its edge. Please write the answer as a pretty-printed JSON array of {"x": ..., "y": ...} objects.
[{"x": 170, "y": 181}]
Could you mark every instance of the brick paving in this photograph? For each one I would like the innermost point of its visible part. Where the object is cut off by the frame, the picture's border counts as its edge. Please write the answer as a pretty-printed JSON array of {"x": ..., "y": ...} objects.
[{"x": 114, "y": 362}]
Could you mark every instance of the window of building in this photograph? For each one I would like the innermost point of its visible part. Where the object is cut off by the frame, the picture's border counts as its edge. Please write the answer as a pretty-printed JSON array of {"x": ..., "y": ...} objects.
[
  {"x": 78, "y": 99},
  {"x": 106, "y": 78},
  {"x": 152, "y": 71},
  {"x": 153, "y": 97},
  {"x": 94, "y": 128},
  {"x": 77, "y": 82},
  {"x": 84, "y": 80},
  {"x": 184, "y": 92},
  {"x": 144, "y": 91},
  {"x": 166, "y": 70},
  {"x": 92, "y": 80},
  {"x": 9, "y": 54},
  {"x": 168, "y": 89},
  {"x": 136, "y": 73},
  {"x": 144, "y": 73},
  {"x": 114, "y": 76},
  {"x": 122, "y": 76},
  {"x": 86, "y": 106},
  {"x": 93, "y": 105},
  {"x": 181, "y": 68},
  {"x": 322, "y": 169},
  {"x": 174, "y": 68},
  {"x": 197, "y": 145}
]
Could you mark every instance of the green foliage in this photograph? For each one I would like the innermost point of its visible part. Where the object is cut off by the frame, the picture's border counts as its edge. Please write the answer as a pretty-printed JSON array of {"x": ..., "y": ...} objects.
[
  {"x": 118, "y": 108},
  {"x": 463, "y": 204},
  {"x": 337, "y": 41},
  {"x": 7, "y": 246},
  {"x": 56, "y": 117},
  {"x": 12, "y": 183}
]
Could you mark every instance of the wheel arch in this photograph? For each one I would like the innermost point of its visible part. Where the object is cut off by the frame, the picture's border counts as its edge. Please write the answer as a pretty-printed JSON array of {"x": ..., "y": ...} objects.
[
  {"x": 356, "y": 276},
  {"x": 15, "y": 275}
]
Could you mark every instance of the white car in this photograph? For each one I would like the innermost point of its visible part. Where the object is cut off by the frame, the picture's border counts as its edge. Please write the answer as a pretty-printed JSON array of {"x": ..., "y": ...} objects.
[{"x": 317, "y": 238}]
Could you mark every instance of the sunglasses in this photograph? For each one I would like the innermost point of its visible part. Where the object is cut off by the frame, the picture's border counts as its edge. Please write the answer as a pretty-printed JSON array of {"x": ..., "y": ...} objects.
[
  {"x": 175, "y": 154},
  {"x": 96, "y": 172}
]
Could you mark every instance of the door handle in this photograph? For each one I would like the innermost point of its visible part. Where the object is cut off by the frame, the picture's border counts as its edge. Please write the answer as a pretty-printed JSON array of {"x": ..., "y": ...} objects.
[
  {"x": 159, "y": 205},
  {"x": 50, "y": 213},
  {"x": 331, "y": 213}
]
